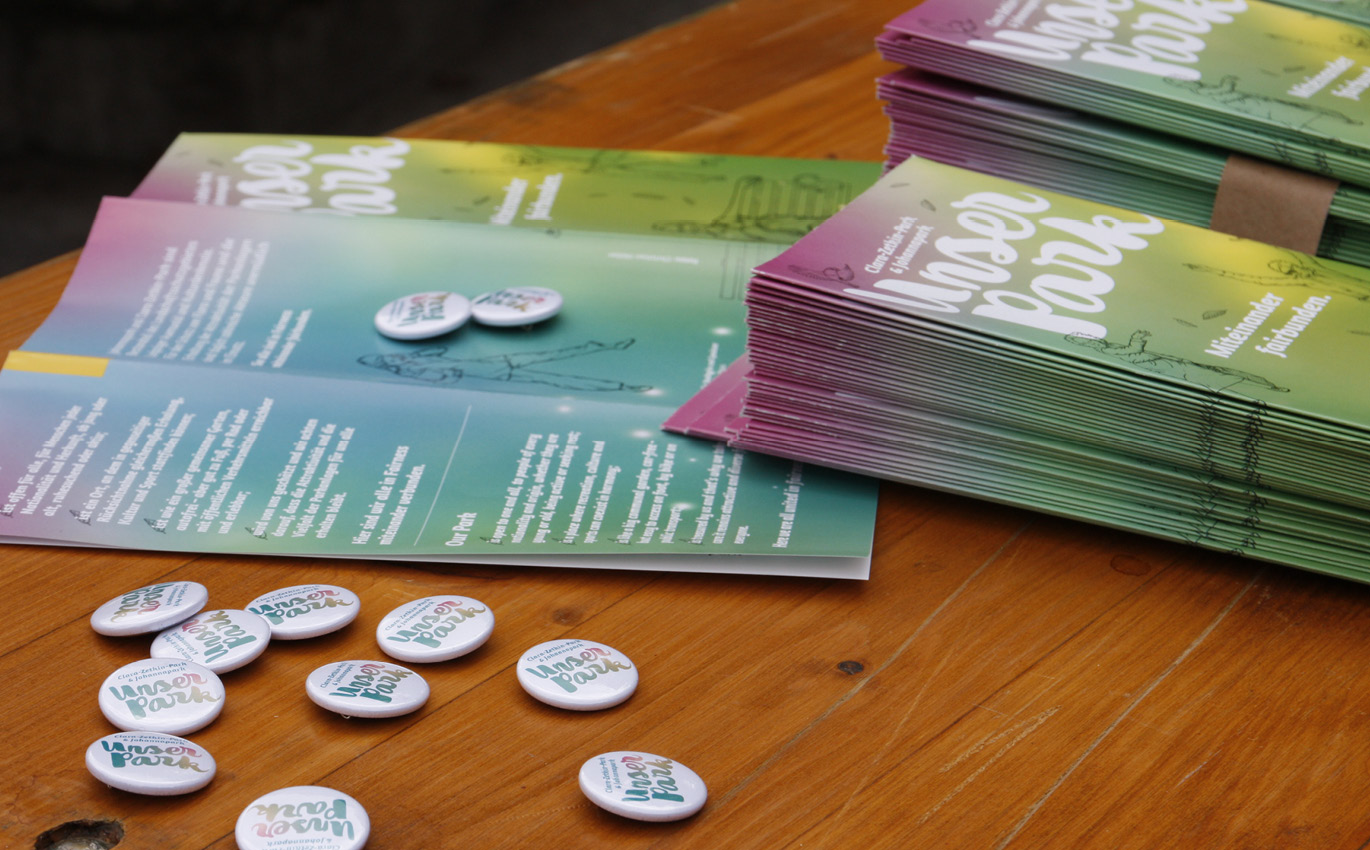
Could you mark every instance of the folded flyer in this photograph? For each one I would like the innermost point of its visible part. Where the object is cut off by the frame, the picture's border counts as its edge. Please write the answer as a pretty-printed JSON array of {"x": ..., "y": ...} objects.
[{"x": 211, "y": 380}]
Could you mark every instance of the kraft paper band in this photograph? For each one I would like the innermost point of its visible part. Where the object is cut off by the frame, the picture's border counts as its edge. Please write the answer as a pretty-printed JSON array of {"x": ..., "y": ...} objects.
[
  {"x": 56, "y": 364},
  {"x": 1273, "y": 204}
]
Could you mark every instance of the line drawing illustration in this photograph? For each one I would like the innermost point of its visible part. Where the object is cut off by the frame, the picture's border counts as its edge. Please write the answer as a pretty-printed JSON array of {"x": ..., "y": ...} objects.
[
  {"x": 1298, "y": 270},
  {"x": 1293, "y": 114},
  {"x": 762, "y": 209},
  {"x": 1136, "y": 353},
  {"x": 434, "y": 365}
]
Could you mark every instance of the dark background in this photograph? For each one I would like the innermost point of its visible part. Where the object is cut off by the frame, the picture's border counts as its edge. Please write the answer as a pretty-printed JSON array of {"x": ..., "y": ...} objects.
[{"x": 92, "y": 91}]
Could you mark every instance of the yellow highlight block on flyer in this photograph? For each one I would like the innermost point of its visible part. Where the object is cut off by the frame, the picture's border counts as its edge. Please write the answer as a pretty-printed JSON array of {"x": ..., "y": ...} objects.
[{"x": 57, "y": 364}]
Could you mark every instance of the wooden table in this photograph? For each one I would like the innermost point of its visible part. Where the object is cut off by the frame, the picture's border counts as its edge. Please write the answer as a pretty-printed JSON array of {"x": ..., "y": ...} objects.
[{"x": 1003, "y": 680}]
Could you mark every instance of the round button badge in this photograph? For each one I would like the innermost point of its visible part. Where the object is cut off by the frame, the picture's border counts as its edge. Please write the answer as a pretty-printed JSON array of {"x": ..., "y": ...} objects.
[
  {"x": 303, "y": 816},
  {"x": 516, "y": 305},
  {"x": 577, "y": 674},
  {"x": 150, "y": 763},
  {"x": 367, "y": 688},
  {"x": 423, "y": 315},
  {"x": 169, "y": 695},
  {"x": 642, "y": 786},
  {"x": 435, "y": 628},
  {"x": 306, "y": 610},
  {"x": 149, "y": 609},
  {"x": 221, "y": 640}
]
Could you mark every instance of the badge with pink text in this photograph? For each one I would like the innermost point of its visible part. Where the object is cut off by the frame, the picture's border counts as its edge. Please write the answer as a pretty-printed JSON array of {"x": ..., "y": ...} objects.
[
  {"x": 423, "y": 315},
  {"x": 221, "y": 640},
  {"x": 169, "y": 695},
  {"x": 149, "y": 609},
  {"x": 579, "y": 675},
  {"x": 150, "y": 763},
  {"x": 516, "y": 305},
  {"x": 642, "y": 786},
  {"x": 435, "y": 628},
  {"x": 303, "y": 817},
  {"x": 306, "y": 610},
  {"x": 367, "y": 688}
]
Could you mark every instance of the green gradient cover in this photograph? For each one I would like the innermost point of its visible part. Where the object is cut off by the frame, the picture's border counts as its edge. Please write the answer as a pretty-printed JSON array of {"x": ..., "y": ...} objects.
[
  {"x": 1120, "y": 289},
  {"x": 711, "y": 196},
  {"x": 1248, "y": 75}
]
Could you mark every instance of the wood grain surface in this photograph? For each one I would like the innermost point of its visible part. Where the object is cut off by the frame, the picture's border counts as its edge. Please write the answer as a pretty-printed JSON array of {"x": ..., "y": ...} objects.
[{"x": 1004, "y": 679}]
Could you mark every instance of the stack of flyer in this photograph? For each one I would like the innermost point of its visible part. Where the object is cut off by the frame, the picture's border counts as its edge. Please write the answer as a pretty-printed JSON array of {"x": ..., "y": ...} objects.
[
  {"x": 1070, "y": 151},
  {"x": 1266, "y": 80},
  {"x": 962, "y": 332},
  {"x": 1351, "y": 11},
  {"x": 1142, "y": 103},
  {"x": 213, "y": 378}
]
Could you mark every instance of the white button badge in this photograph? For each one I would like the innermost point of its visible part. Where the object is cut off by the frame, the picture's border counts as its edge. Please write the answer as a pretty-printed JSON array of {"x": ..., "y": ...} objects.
[
  {"x": 150, "y": 763},
  {"x": 435, "y": 628},
  {"x": 149, "y": 609},
  {"x": 577, "y": 674},
  {"x": 303, "y": 816},
  {"x": 516, "y": 305},
  {"x": 221, "y": 640},
  {"x": 169, "y": 695},
  {"x": 306, "y": 610},
  {"x": 642, "y": 786},
  {"x": 423, "y": 315},
  {"x": 367, "y": 688}
]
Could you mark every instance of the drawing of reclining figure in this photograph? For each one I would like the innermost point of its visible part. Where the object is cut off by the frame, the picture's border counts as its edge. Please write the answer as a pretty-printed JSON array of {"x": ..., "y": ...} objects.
[
  {"x": 763, "y": 210},
  {"x": 434, "y": 366}
]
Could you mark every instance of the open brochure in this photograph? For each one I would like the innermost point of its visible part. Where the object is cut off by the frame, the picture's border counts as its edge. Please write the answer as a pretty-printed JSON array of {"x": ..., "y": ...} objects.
[{"x": 212, "y": 381}]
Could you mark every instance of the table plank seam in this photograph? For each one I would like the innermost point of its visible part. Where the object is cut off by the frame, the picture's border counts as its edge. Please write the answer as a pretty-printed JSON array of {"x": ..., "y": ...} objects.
[
  {"x": 1155, "y": 683},
  {"x": 858, "y": 686}
]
